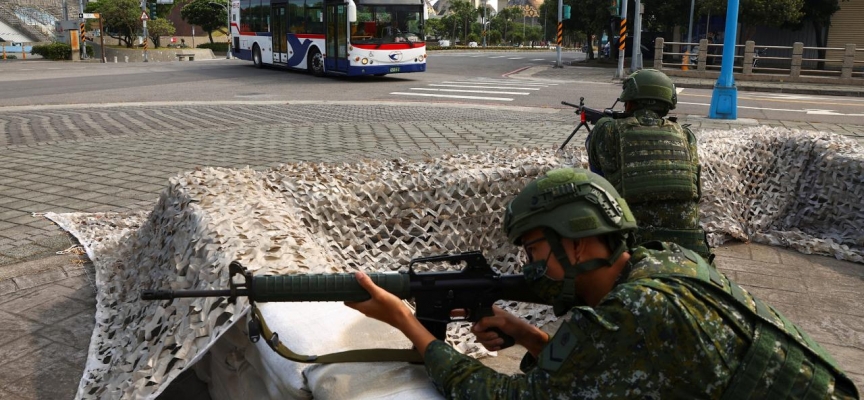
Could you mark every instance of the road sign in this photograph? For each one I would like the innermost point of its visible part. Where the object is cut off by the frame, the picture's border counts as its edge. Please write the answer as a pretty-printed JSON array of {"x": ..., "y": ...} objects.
[
  {"x": 144, "y": 16},
  {"x": 88, "y": 15}
]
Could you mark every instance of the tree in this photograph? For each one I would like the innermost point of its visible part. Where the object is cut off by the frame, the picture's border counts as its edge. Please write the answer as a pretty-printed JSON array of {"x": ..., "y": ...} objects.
[
  {"x": 435, "y": 27},
  {"x": 464, "y": 13},
  {"x": 210, "y": 15},
  {"x": 121, "y": 18},
  {"x": 159, "y": 27},
  {"x": 504, "y": 20},
  {"x": 768, "y": 13},
  {"x": 818, "y": 13}
]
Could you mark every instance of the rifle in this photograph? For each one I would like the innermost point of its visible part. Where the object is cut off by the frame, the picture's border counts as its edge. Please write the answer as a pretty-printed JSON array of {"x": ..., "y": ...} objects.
[
  {"x": 475, "y": 289},
  {"x": 587, "y": 114}
]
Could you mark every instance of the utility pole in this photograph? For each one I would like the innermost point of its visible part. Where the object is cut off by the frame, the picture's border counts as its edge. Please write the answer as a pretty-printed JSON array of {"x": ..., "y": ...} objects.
[
  {"x": 724, "y": 99},
  {"x": 636, "y": 59},
  {"x": 690, "y": 27},
  {"x": 82, "y": 21},
  {"x": 622, "y": 39},
  {"x": 66, "y": 11},
  {"x": 484, "y": 24},
  {"x": 560, "y": 37},
  {"x": 144, "y": 21}
]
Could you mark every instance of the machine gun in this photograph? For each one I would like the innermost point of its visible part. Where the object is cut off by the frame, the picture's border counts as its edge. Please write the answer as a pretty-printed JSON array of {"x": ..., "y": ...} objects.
[
  {"x": 587, "y": 114},
  {"x": 474, "y": 289}
]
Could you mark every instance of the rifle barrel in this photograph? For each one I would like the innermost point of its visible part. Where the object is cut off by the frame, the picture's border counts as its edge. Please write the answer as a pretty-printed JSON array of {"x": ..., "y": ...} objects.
[{"x": 173, "y": 294}]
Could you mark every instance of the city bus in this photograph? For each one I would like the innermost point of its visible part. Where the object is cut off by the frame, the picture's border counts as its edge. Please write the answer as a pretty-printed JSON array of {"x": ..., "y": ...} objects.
[{"x": 369, "y": 37}]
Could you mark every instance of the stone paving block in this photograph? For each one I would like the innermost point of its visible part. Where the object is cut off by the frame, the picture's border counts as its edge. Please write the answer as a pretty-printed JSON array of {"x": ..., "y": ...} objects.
[
  {"x": 773, "y": 296},
  {"x": 53, "y": 312},
  {"x": 74, "y": 331},
  {"x": 7, "y": 286},
  {"x": 768, "y": 281},
  {"x": 17, "y": 233},
  {"x": 63, "y": 376},
  {"x": 23, "y": 219},
  {"x": 20, "y": 252},
  {"x": 21, "y": 347},
  {"x": 21, "y": 300},
  {"x": 762, "y": 268},
  {"x": 847, "y": 357},
  {"x": 821, "y": 265},
  {"x": 39, "y": 279},
  {"x": 13, "y": 327},
  {"x": 765, "y": 254}
]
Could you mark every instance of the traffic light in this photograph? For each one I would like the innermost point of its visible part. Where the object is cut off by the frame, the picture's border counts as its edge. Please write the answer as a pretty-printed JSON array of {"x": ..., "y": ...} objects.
[
  {"x": 614, "y": 7},
  {"x": 566, "y": 12},
  {"x": 152, "y": 11}
]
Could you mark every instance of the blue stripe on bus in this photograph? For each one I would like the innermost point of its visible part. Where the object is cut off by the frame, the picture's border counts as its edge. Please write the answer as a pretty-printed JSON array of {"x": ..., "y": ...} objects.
[
  {"x": 300, "y": 49},
  {"x": 355, "y": 70}
]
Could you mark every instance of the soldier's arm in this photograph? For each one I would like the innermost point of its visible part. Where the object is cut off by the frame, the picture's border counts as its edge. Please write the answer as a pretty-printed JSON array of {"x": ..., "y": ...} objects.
[{"x": 599, "y": 144}]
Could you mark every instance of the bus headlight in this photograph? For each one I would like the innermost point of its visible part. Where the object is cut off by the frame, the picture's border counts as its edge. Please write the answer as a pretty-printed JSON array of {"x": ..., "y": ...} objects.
[{"x": 364, "y": 61}]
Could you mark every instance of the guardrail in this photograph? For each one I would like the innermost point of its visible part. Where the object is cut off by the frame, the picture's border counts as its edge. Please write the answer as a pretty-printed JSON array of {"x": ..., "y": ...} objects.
[{"x": 844, "y": 65}]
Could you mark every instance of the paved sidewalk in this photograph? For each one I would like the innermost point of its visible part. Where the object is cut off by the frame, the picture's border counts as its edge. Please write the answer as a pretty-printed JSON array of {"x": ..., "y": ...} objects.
[
  {"x": 576, "y": 72},
  {"x": 92, "y": 159}
]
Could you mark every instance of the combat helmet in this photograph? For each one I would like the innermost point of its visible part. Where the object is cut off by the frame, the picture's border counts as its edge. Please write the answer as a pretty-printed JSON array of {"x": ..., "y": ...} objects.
[
  {"x": 569, "y": 203},
  {"x": 649, "y": 84},
  {"x": 573, "y": 202}
]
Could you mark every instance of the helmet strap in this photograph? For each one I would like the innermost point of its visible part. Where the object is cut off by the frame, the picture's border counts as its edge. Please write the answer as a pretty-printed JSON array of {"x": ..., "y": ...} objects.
[{"x": 568, "y": 298}]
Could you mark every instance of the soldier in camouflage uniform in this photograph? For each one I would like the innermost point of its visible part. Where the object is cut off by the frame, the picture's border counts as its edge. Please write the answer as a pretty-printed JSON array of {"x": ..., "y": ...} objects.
[
  {"x": 653, "y": 322},
  {"x": 653, "y": 162}
]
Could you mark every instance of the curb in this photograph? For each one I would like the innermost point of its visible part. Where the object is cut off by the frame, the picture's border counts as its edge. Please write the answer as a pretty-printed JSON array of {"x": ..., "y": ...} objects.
[{"x": 777, "y": 89}]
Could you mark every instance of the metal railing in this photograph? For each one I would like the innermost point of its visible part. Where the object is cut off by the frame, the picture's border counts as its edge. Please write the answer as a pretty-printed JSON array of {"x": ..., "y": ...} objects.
[{"x": 752, "y": 62}]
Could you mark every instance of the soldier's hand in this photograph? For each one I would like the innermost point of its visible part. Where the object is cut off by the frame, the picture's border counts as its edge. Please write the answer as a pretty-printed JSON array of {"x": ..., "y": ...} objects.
[
  {"x": 525, "y": 334},
  {"x": 503, "y": 320},
  {"x": 383, "y": 305}
]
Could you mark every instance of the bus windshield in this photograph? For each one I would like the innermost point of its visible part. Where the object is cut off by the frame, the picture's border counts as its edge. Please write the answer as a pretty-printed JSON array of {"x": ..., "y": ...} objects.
[{"x": 388, "y": 24}]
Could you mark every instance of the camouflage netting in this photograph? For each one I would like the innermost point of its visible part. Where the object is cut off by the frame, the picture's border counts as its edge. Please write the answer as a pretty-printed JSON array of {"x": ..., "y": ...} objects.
[{"x": 797, "y": 189}]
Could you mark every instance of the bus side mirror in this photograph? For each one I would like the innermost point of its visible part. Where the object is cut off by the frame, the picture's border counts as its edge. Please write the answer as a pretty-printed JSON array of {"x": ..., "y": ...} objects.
[{"x": 352, "y": 11}]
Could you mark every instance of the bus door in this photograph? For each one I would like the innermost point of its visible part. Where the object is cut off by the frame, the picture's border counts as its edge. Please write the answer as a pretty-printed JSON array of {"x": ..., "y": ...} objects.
[
  {"x": 336, "y": 38},
  {"x": 280, "y": 33}
]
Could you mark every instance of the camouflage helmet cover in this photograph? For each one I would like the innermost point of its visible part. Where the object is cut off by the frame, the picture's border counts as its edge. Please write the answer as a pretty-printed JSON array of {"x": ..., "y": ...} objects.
[
  {"x": 649, "y": 84},
  {"x": 573, "y": 202}
]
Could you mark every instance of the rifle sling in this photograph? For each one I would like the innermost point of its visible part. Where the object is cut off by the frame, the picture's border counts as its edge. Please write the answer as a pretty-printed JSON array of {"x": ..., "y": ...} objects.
[{"x": 364, "y": 355}]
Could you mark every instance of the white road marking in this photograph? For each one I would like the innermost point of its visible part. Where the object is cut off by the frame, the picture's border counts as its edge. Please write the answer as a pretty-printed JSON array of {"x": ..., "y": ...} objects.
[
  {"x": 509, "y": 83},
  {"x": 453, "y": 96},
  {"x": 515, "y": 58},
  {"x": 806, "y": 111},
  {"x": 470, "y": 91},
  {"x": 484, "y": 87}
]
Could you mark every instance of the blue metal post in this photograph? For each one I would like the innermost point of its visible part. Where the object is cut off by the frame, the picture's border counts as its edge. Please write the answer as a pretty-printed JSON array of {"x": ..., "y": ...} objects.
[{"x": 724, "y": 100}]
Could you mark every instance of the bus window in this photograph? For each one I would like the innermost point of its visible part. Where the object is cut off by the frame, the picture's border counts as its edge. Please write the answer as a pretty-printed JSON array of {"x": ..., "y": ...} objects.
[
  {"x": 388, "y": 24},
  {"x": 296, "y": 16},
  {"x": 265, "y": 15}
]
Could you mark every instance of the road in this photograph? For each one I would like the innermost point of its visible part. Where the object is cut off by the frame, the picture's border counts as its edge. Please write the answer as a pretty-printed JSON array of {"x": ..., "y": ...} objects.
[{"x": 460, "y": 77}]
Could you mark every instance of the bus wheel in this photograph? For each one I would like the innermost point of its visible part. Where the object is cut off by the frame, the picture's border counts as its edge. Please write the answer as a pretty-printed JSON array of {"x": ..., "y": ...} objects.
[
  {"x": 256, "y": 56},
  {"x": 316, "y": 63}
]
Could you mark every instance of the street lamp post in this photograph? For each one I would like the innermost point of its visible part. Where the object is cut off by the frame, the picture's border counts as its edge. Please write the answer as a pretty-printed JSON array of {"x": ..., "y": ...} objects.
[
  {"x": 484, "y": 24},
  {"x": 228, "y": 27}
]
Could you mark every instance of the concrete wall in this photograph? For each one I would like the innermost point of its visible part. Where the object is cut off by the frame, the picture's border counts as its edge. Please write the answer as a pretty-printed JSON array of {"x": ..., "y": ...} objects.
[{"x": 160, "y": 55}]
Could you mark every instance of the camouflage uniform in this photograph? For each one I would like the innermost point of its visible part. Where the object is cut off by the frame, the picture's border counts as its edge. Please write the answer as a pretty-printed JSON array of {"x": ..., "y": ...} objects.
[
  {"x": 673, "y": 219},
  {"x": 670, "y": 329}
]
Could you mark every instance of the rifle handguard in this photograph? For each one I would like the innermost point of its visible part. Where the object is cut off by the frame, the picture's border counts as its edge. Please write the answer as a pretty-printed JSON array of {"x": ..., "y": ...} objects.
[{"x": 325, "y": 287}]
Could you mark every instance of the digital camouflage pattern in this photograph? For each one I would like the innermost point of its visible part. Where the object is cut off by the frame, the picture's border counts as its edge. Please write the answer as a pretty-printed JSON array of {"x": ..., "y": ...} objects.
[
  {"x": 666, "y": 215},
  {"x": 649, "y": 338}
]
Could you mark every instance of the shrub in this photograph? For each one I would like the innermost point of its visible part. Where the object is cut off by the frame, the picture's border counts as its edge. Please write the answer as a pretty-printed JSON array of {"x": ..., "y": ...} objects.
[
  {"x": 218, "y": 46},
  {"x": 53, "y": 51}
]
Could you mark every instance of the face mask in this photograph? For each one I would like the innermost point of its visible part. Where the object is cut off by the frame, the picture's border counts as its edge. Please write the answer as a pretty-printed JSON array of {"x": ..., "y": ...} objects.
[{"x": 543, "y": 286}]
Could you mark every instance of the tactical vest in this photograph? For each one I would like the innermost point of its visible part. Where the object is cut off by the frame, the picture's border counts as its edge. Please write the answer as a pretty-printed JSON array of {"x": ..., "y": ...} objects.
[
  {"x": 658, "y": 162},
  {"x": 772, "y": 329}
]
